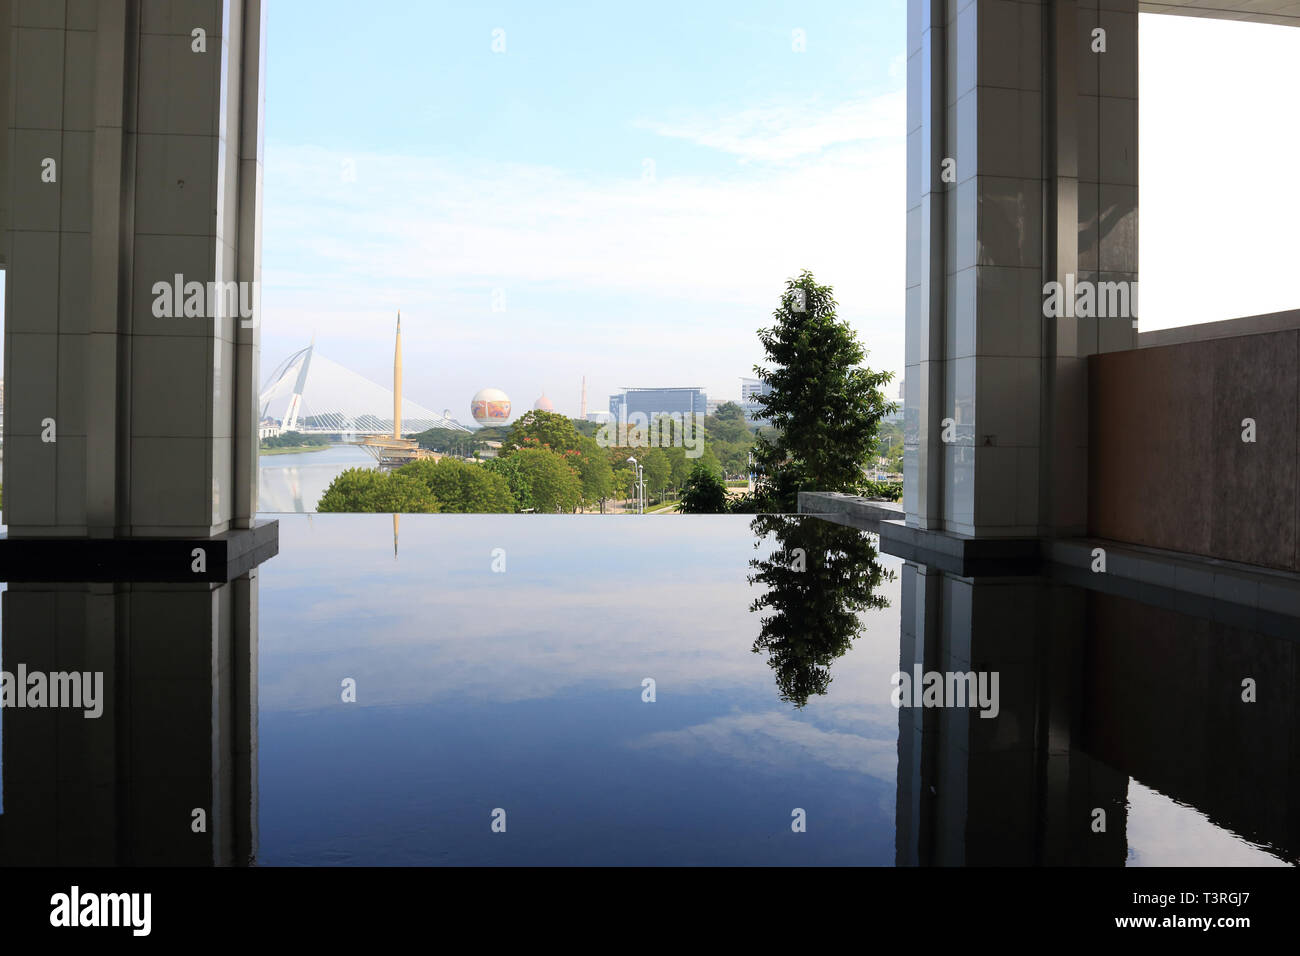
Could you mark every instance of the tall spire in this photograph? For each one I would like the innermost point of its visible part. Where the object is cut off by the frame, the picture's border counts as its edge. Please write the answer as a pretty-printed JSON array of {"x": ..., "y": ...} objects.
[
  {"x": 397, "y": 380},
  {"x": 582, "y": 409}
]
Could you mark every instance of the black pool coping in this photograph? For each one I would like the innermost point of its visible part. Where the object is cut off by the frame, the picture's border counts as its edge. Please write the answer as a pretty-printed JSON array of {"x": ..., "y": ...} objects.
[
  {"x": 163, "y": 560},
  {"x": 1243, "y": 595},
  {"x": 1194, "y": 584}
]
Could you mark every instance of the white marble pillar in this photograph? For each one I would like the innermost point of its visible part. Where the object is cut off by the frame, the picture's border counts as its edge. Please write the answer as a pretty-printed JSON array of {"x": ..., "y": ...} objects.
[{"x": 148, "y": 112}]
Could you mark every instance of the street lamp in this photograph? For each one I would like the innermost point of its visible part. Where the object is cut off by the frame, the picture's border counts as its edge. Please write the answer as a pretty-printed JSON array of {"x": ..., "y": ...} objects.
[{"x": 640, "y": 486}]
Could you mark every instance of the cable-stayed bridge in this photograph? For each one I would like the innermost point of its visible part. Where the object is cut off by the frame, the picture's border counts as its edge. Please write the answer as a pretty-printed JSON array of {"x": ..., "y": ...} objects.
[{"x": 313, "y": 394}]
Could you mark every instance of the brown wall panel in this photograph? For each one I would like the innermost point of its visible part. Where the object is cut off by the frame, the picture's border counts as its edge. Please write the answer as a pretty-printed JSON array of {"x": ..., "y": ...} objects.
[{"x": 1168, "y": 467}]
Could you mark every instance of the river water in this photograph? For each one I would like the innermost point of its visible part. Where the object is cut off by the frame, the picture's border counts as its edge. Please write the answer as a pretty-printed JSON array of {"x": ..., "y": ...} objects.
[{"x": 295, "y": 483}]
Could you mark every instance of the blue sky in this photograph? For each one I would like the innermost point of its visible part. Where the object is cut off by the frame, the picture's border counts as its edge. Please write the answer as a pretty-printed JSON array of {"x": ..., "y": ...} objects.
[
  {"x": 407, "y": 165},
  {"x": 633, "y": 183}
]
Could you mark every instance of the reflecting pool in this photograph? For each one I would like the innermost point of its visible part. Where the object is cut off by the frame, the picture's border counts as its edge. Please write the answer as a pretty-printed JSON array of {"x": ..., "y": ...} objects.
[{"x": 469, "y": 689}]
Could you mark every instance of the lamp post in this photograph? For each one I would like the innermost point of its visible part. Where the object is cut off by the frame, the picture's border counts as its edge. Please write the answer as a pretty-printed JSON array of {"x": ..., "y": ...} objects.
[{"x": 640, "y": 486}]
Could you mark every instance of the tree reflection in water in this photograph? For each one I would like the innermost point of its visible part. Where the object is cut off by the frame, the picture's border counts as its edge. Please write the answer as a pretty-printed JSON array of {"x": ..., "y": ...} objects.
[{"x": 820, "y": 578}]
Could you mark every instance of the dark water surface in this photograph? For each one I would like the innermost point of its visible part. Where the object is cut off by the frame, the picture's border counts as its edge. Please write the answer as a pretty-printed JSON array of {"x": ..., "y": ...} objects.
[{"x": 499, "y": 665}]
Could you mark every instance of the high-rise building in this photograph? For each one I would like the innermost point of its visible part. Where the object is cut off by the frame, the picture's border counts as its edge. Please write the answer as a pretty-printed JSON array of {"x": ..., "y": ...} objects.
[
  {"x": 658, "y": 401},
  {"x": 750, "y": 390}
]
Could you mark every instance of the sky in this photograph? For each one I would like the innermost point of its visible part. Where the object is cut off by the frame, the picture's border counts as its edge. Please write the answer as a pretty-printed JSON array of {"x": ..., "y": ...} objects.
[
  {"x": 622, "y": 191},
  {"x": 620, "y": 194}
]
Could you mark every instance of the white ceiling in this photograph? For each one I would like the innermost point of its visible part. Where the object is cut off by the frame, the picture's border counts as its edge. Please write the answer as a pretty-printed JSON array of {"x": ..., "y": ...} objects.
[{"x": 1284, "y": 12}]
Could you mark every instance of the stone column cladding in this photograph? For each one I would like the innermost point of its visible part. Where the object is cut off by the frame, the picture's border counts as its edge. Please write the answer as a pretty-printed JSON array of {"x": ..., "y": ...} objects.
[
  {"x": 177, "y": 731},
  {"x": 1016, "y": 789},
  {"x": 1042, "y": 136},
  {"x": 158, "y": 158}
]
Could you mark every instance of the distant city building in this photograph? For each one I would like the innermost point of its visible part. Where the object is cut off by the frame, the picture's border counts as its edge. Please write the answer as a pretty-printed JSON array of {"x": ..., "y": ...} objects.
[
  {"x": 900, "y": 389},
  {"x": 716, "y": 403},
  {"x": 750, "y": 390},
  {"x": 658, "y": 401},
  {"x": 599, "y": 417}
]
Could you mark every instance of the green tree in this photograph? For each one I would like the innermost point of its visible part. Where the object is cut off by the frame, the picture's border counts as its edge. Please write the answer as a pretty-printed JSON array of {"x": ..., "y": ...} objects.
[
  {"x": 728, "y": 424},
  {"x": 463, "y": 487},
  {"x": 404, "y": 494},
  {"x": 554, "y": 484},
  {"x": 449, "y": 441},
  {"x": 824, "y": 408},
  {"x": 820, "y": 578},
  {"x": 656, "y": 469},
  {"x": 710, "y": 461},
  {"x": 511, "y": 469},
  {"x": 704, "y": 493},
  {"x": 371, "y": 490},
  {"x": 538, "y": 429},
  {"x": 625, "y": 481},
  {"x": 593, "y": 471},
  {"x": 351, "y": 490},
  {"x": 679, "y": 466}
]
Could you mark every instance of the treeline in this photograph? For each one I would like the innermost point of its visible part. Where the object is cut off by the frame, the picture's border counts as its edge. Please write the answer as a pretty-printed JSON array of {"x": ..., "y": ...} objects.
[
  {"x": 547, "y": 464},
  {"x": 451, "y": 441},
  {"x": 823, "y": 406},
  {"x": 293, "y": 440}
]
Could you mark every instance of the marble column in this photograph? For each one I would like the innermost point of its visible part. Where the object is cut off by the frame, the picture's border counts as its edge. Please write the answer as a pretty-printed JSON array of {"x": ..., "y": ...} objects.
[
  {"x": 1022, "y": 171},
  {"x": 133, "y": 157}
]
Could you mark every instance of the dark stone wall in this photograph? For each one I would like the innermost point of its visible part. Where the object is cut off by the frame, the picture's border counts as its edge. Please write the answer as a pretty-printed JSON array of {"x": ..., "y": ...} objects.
[{"x": 1168, "y": 467}]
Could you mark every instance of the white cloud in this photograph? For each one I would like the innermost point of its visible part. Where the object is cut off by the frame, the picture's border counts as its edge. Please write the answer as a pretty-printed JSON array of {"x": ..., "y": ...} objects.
[
  {"x": 435, "y": 236},
  {"x": 777, "y": 741},
  {"x": 781, "y": 133}
]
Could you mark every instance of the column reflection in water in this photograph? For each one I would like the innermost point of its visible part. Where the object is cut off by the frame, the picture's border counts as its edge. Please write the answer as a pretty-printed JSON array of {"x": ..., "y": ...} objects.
[
  {"x": 820, "y": 577},
  {"x": 1096, "y": 689},
  {"x": 178, "y": 731}
]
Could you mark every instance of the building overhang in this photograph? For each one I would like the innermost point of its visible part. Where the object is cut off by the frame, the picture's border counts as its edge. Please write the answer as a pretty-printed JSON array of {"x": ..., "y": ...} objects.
[{"x": 1280, "y": 12}]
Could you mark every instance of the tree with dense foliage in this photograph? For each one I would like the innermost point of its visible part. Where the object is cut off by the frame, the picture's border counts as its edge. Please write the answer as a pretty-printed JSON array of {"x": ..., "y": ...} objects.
[
  {"x": 351, "y": 490},
  {"x": 539, "y": 429},
  {"x": 704, "y": 493},
  {"x": 449, "y": 441},
  {"x": 594, "y": 471},
  {"x": 463, "y": 487},
  {"x": 552, "y": 481},
  {"x": 823, "y": 406},
  {"x": 558, "y": 433},
  {"x": 820, "y": 577},
  {"x": 371, "y": 490},
  {"x": 655, "y": 469},
  {"x": 511, "y": 469}
]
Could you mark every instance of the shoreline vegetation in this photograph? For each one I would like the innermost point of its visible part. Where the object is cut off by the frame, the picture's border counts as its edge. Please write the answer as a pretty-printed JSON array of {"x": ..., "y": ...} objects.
[
  {"x": 292, "y": 450},
  {"x": 823, "y": 411},
  {"x": 291, "y": 443}
]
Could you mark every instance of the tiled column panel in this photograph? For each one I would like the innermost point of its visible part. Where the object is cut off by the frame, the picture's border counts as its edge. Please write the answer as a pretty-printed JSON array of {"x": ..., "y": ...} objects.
[
  {"x": 981, "y": 247},
  {"x": 176, "y": 731},
  {"x": 1106, "y": 251},
  {"x": 1015, "y": 789},
  {"x": 157, "y": 177}
]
